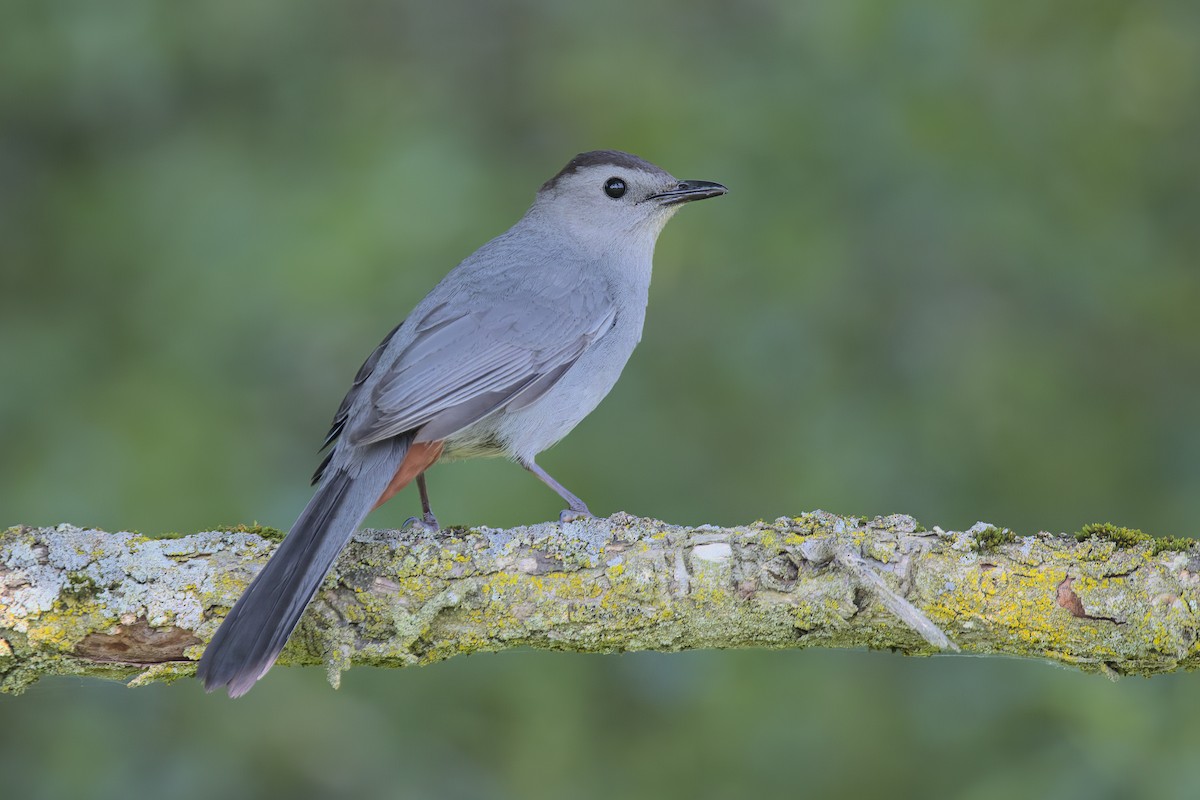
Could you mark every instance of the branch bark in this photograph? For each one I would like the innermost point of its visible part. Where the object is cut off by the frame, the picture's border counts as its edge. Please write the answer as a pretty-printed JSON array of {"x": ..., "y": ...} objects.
[{"x": 120, "y": 605}]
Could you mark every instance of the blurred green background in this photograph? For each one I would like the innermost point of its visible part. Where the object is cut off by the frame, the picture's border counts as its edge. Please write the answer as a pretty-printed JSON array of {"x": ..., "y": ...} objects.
[{"x": 956, "y": 277}]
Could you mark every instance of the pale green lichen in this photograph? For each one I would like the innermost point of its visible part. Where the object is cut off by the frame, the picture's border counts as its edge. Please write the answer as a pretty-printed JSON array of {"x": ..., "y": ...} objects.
[
  {"x": 883, "y": 551},
  {"x": 1018, "y": 608}
]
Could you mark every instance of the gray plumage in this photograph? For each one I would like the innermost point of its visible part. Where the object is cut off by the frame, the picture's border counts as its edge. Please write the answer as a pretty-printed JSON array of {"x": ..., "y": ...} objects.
[{"x": 505, "y": 356}]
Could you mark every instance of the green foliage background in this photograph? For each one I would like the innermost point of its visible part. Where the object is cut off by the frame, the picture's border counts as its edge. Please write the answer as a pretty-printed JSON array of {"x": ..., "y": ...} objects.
[{"x": 956, "y": 276}]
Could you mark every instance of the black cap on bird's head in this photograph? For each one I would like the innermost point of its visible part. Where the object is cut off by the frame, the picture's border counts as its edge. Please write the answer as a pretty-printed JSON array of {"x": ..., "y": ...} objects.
[{"x": 590, "y": 183}]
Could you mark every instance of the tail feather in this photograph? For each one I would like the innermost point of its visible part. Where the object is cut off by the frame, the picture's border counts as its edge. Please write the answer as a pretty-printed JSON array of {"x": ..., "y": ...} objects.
[{"x": 259, "y": 624}]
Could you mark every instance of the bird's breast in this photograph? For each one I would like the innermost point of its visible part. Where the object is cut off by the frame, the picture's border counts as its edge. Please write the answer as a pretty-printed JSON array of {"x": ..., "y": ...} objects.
[{"x": 532, "y": 429}]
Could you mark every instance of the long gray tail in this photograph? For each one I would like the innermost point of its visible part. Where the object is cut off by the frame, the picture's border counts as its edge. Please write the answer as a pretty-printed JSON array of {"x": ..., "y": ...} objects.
[{"x": 259, "y": 624}]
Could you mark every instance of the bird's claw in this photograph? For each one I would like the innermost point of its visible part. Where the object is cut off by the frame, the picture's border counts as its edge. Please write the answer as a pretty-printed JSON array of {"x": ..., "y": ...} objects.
[
  {"x": 426, "y": 524},
  {"x": 572, "y": 515}
]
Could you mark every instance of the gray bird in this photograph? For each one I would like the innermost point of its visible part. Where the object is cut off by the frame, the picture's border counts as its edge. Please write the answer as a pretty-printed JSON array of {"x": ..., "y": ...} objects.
[{"x": 505, "y": 356}]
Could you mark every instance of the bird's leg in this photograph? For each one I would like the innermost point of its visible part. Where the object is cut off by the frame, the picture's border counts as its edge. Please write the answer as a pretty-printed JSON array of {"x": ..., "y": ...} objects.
[
  {"x": 577, "y": 508},
  {"x": 428, "y": 521},
  {"x": 427, "y": 513}
]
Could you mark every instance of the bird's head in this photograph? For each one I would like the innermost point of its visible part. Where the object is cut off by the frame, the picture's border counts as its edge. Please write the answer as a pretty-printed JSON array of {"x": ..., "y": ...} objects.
[{"x": 607, "y": 194}]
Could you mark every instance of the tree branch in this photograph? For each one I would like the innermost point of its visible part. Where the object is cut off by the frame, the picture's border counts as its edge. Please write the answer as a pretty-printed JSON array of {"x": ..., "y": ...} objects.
[{"x": 120, "y": 605}]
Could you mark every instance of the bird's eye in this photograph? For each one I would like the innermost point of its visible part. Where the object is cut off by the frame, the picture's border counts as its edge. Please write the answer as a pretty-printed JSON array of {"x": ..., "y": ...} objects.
[{"x": 614, "y": 187}]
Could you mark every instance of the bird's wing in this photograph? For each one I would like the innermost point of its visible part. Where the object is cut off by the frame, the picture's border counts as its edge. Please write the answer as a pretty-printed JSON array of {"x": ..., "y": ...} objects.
[
  {"x": 343, "y": 412},
  {"x": 468, "y": 359}
]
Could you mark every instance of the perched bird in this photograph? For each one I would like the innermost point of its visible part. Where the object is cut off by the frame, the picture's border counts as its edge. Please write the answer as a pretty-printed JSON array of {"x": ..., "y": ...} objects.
[{"x": 505, "y": 356}]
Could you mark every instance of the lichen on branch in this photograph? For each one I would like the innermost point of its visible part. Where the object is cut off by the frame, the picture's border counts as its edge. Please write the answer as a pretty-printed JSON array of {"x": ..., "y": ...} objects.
[{"x": 121, "y": 605}]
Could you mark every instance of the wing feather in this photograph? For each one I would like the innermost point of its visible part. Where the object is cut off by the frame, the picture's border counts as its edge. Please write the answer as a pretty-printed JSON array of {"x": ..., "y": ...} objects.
[
  {"x": 343, "y": 412},
  {"x": 465, "y": 364}
]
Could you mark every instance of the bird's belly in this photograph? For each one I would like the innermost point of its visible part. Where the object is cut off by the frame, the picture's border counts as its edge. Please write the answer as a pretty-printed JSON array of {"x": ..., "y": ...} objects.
[
  {"x": 529, "y": 431},
  {"x": 480, "y": 440}
]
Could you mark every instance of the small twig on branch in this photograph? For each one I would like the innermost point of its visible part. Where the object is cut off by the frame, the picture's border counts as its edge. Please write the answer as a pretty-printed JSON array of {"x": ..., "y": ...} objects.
[{"x": 120, "y": 605}]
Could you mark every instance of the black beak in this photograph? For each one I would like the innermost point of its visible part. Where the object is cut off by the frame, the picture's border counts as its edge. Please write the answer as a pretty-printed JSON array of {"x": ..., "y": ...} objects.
[{"x": 686, "y": 191}]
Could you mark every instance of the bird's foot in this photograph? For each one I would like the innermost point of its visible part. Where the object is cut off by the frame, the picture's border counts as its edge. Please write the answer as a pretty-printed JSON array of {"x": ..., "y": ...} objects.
[
  {"x": 426, "y": 523},
  {"x": 574, "y": 514}
]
